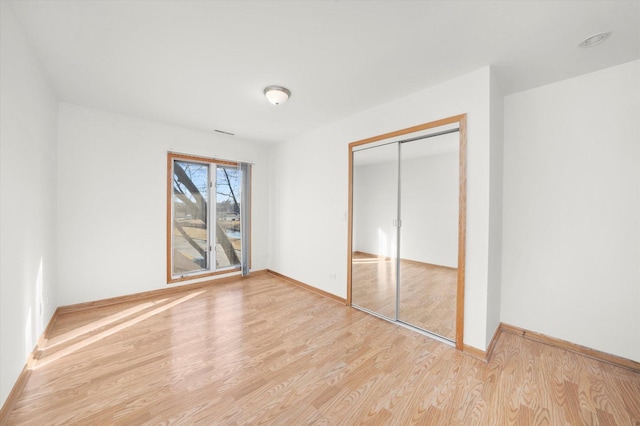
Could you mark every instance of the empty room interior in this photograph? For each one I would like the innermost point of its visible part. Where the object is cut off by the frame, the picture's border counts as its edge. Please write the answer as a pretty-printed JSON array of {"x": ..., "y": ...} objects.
[{"x": 319, "y": 212}]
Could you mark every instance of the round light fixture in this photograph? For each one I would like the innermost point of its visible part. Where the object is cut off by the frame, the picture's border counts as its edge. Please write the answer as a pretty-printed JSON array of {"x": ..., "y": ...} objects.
[
  {"x": 595, "y": 39},
  {"x": 277, "y": 94}
]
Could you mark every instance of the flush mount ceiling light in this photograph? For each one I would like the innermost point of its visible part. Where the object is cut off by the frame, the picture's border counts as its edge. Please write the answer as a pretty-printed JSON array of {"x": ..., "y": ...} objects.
[
  {"x": 277, "y": 94},
  {"x": 595, "y": 39}
]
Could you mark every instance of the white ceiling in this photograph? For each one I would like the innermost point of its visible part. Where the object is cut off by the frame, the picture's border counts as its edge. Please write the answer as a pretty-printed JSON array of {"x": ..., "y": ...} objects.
[{"x": 204, "y": 64}]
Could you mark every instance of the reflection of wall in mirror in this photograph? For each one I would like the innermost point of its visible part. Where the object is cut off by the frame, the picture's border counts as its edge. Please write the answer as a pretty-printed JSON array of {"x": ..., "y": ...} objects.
[
  {"x": 375, "y": 188},
  {"x": 429, "y": 209}
]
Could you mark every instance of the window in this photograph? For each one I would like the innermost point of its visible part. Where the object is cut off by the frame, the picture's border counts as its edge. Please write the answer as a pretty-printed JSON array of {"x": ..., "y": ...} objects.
[{"x": 207, "y": 217}]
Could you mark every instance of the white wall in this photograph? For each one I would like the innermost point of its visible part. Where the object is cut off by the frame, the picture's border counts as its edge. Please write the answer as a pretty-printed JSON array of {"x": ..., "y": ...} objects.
[
  {"x": 112, "y": 200},
  {"x": 571, "y": 245},
  {"x": 375, "y": 206},
  {"x": 494, "y": 285},
  {"x": 27, "y": 201},
  {"x": 310, "y": 190},
  {"x": 429, "y": 208}
]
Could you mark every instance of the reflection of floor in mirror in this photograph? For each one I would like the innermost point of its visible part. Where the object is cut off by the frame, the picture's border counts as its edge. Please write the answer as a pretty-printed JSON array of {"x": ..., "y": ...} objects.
[{"x": 427, "y": 293}]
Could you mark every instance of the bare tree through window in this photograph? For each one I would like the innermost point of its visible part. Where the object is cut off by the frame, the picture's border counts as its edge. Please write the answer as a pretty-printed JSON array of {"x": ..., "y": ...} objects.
[{"x": 192, "y": 219}]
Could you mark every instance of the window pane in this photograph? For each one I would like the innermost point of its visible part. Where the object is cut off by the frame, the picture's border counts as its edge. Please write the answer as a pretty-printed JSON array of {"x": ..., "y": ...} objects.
[
  {"x": 228, "y": 242},
  {"x": 190, "y": 195}
]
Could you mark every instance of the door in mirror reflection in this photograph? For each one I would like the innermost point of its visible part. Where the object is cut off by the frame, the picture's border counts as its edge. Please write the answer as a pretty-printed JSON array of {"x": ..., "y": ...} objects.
[
  {"x": 375, "y": 235},
  {"x": 429, "y": 182}
]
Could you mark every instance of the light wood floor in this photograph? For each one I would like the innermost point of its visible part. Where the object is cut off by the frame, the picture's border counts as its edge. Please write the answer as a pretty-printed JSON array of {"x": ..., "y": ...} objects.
[
  {"x": 427, "y": 292},
  {"x": 261, "y": 351}
]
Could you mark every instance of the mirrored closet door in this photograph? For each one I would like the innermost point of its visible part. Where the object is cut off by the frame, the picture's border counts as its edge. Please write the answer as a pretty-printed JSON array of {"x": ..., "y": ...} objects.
[
  {"x": 407, "y": 227},
  {"x": 375, "y": 189}
]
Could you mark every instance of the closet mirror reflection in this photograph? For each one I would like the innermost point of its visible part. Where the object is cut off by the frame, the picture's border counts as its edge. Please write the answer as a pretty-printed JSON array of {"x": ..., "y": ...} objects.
[
  {"x": 375, "y": 186},
  {"x": 407, "y": 227}
]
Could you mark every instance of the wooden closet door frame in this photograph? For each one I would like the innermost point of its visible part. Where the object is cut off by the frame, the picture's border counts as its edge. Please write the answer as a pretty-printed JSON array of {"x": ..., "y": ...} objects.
[{"x": 462, "y": 209}]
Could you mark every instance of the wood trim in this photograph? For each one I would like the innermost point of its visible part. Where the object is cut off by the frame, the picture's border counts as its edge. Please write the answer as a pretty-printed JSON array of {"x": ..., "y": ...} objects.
[
  {"x": 461, "y": 119},
  {"x": 201, "y": 159},
  {"x": 462, "y": 232},
  {"x": 432, "y": 265},
  {"x": 350, "y": 229},
  {"x": 483, "y": 356},
  {"x": 493, "y": 341},
  {"x": 250, "y": 215},
  {"x": 573, "y": 347},
  {"x": 25, "y": 374},
  {"x": 169, "y": 236},
  {"x": 415, "y": 262},
  {"x": 474, "y": 352},
  {"x": 152, "y": 293},
  {"x": 308, "y": 287},
  {"x": 418, "y": 128},
  {"x": 372, "y": 255},
  {"x": 52, "y": 323},
  {"x": 15, "y": 392}
]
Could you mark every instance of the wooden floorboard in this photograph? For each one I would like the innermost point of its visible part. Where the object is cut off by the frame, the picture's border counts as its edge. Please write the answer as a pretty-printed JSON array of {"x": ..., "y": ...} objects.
[{"x": 262, "y": 351}]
